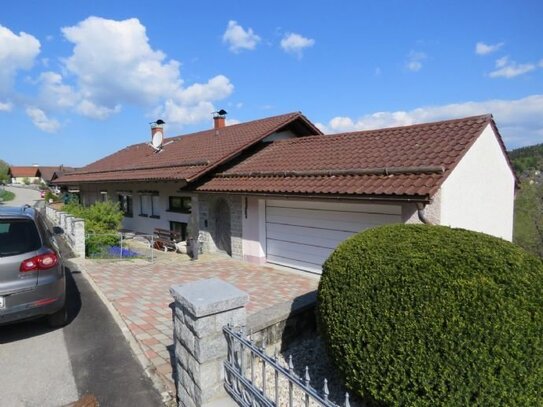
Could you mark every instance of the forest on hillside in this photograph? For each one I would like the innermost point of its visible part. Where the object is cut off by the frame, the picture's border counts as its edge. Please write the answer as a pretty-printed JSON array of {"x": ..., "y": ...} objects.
[{"x": 528, "y": 226}]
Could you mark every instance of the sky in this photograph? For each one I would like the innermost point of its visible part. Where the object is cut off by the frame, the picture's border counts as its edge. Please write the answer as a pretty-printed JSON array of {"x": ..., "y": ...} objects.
[{"x": 82, "y": 79}]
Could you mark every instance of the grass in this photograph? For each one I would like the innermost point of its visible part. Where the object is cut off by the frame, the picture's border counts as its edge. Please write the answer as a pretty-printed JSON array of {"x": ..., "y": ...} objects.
[{"x": 6, "y": 196}]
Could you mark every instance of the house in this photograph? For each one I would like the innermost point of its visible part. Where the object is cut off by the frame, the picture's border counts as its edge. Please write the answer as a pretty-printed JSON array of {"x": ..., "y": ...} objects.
[
  {"x": 49, "y": 174},
  {"x": 277, "y": 190},
  {"x": 24, "y": 175}
]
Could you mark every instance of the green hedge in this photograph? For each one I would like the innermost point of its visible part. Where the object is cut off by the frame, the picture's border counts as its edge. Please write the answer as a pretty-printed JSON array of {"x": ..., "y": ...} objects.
[
  {"x": 417, "y": 315},
  {"x": 102, "y": 223}
]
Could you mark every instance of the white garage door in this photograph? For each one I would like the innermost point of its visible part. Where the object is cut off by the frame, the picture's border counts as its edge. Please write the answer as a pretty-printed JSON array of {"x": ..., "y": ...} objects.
[{"x": 302, "y": 234}]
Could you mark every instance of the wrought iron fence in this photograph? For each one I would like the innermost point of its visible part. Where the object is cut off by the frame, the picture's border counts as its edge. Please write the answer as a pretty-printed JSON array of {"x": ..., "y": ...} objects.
[
  {"x": 121, "y": 246},
  {"x": 255, "y": 379}
]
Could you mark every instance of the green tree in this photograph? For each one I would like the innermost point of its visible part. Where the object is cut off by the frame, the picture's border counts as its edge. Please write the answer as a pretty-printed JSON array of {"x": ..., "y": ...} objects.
[
  {"x": 4, "y": 169},
  {"x": 528, "y": 228}
]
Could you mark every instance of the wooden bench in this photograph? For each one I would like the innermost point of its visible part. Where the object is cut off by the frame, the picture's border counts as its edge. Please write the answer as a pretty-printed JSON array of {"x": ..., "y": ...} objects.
[{"x": 166, "y": 239}]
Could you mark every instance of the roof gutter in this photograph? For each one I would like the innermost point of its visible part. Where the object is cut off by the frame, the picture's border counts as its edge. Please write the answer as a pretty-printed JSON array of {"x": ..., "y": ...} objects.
[{"x": 374, "y": 198}]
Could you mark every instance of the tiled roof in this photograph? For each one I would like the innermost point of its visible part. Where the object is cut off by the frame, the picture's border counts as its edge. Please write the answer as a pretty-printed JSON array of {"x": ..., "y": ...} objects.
[
  {"x": 401, "y": 161},
  {"x": 47, "y": 173},
  {"x": 184, "y": 157},
  {"x": 30, "y": 171}
]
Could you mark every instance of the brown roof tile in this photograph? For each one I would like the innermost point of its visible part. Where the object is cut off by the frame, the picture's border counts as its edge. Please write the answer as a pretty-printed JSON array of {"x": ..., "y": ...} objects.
[
  {"x": 418, "y": 159},
  {"x": 183, "y": 157}
]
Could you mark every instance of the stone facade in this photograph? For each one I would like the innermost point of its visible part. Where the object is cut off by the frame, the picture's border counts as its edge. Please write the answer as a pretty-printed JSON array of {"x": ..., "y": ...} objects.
[
  {"x": 208, "y": 220},
  {"x": 202, "y": 309}
]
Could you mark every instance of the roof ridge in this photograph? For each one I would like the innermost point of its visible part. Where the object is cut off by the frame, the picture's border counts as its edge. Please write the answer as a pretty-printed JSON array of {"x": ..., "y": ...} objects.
[
  {"x": 487, "y": 116},
  {"x": 293, "y": 114}
]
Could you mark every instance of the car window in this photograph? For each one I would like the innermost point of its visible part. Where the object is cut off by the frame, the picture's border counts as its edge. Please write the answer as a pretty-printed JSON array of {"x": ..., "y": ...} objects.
[{"x": 18, "y": 236}]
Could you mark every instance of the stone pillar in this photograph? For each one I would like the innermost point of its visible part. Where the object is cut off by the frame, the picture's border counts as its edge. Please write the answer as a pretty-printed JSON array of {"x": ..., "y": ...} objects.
[
  {"x": 79, "y": 237},
  {"x": 202, "y": 309}
]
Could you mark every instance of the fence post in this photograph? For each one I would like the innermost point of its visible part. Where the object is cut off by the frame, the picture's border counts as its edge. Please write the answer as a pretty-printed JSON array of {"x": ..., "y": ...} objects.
[{"x": 202, "y": 308}]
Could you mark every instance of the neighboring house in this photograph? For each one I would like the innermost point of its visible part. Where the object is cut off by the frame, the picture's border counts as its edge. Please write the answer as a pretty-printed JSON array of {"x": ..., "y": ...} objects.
[
  {"x": 277, "y": 190},
  {"x": 19, "y": 175},
  {"x": 50, "y": 174}
]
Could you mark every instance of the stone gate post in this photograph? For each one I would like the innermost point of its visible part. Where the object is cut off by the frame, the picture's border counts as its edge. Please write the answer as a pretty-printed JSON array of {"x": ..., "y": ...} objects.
[{"x": 202, "y": 309}]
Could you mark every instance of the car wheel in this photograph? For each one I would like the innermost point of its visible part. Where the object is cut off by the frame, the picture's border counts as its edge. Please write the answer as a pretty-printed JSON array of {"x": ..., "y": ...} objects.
[{"x": 59, "y": 318}]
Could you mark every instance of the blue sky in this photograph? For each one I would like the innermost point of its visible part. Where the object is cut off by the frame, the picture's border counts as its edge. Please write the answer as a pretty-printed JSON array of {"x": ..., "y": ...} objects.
[{"x": 81, "y": 79}]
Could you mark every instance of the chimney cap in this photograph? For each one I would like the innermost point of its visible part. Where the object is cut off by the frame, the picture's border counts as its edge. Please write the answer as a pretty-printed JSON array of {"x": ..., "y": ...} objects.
[
  {"x": 220, "y": 113},
  {"x": 158, "y": 123}
]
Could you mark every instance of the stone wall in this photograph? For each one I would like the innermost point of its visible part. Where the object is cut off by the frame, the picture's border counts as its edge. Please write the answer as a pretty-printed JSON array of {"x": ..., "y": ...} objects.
[{"x": 74, "y": 229}]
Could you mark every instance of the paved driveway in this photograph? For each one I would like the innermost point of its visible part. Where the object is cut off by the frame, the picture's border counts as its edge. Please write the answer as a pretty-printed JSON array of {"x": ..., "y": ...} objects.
[{"x": 139, "y": 292}]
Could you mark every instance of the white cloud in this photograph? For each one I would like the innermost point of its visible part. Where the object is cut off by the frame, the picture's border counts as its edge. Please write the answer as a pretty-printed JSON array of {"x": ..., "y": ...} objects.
[
  {"x": 505, "y": 68},
  {"x": 293, "y": 43},
  {"x": 541, "y": 63},
  {"x": 238, "y": 38},
  {"x": 483, "y": 49},
  {"x": 113, "y": 65},
  {"x": 520, "y": 120},
  {"x": 90, "y": 109},
  {"x": 414, "y": 61},
  {"x": 16, "y": 52},
  {"x": 54, "y": 93},
  {"x": 6, "y": 106},
  {"x": 218, "y": 87},
  {"x": 40, "y": 120}
]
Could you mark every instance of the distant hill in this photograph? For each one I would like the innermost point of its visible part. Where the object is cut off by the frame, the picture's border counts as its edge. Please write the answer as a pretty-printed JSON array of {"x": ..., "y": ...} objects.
[
  {"x": 527, "y": 158},
  {"x": 528, "y": 223}
]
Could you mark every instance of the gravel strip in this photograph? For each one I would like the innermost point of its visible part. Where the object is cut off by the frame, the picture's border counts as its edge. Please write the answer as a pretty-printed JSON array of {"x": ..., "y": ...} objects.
[{"x": 310, "y": 352}]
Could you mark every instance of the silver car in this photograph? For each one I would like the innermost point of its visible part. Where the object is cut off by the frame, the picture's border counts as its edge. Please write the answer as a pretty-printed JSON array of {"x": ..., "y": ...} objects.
[{"x": 32, "y": 277}]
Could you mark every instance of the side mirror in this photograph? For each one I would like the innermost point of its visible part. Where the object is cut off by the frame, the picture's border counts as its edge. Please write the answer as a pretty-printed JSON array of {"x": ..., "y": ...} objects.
[{"x": 57, "y": 230}]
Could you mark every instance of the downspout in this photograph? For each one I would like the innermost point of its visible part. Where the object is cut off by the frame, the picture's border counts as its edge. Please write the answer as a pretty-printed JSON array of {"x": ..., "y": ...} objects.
[{"x": 421, "y": 210}]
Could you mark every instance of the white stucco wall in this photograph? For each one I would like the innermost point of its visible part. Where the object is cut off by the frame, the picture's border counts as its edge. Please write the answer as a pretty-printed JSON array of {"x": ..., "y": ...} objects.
[
  {"x": 479, "y": 193},
  {"x": 91, "y": 192},
  {"x": 253, "y": 232}
]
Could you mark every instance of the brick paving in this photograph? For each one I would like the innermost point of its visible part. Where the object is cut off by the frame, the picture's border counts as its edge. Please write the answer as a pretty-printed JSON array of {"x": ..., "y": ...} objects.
[{"x": 139, "y": 291}]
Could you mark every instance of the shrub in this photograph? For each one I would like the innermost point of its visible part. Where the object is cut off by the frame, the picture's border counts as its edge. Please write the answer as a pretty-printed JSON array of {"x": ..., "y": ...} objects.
[
  {"x": 49, "y": 195},
  {"x": 431, "y": 316},
  {"x": 102, "y": 222}
]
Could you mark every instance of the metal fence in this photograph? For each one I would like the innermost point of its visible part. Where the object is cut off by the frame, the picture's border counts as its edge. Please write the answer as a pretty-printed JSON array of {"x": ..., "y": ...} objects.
[
  {"x": 254, "y": 379},
  {"x": 120, "y": 246}
]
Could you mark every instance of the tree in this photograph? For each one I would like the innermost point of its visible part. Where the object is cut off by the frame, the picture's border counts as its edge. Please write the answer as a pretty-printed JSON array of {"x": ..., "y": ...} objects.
[
  {"x": 528, "y": 229},
  {"x": 4, "y": 169}
]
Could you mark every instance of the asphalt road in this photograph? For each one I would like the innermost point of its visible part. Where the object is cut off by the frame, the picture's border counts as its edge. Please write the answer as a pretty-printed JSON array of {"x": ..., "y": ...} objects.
[
  {"x": 45, "y": 367},
  {"x": 22, "y": 196}
]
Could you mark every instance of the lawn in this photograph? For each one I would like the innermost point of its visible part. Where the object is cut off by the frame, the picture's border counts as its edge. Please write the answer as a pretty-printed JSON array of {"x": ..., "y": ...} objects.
[{"x": 6, "y": 195}]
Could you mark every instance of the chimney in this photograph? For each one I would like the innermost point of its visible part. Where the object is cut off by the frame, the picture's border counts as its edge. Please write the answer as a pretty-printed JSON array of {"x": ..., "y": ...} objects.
[
  {"x": 219, "y": 119},
  {"x": 157, "y": 133}
]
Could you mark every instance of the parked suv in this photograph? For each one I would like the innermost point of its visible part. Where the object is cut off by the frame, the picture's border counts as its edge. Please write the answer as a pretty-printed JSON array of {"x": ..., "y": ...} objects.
[{"x": 32, "y": 278}]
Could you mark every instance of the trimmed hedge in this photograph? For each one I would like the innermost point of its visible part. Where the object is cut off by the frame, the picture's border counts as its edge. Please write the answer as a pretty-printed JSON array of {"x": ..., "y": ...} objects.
[{"x": 424, "y": 315}]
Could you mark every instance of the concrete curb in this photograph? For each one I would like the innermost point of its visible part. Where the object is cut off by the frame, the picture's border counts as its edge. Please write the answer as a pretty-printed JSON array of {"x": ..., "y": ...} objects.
[{"x": 168, "y": 398}]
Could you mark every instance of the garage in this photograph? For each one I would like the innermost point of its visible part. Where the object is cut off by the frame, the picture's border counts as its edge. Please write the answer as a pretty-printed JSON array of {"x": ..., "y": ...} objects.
[{"x": 302, "y": 234}]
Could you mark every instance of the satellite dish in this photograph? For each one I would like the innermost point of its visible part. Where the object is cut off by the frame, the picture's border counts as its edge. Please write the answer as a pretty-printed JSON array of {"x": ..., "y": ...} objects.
[{"x": 158, "y": 138}]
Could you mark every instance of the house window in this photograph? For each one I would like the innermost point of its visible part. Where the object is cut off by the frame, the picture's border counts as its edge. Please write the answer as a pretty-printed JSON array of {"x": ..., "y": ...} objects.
[
  {"x": 125, "y": 203},
  {"x": 145, "y": 205},
  {"x": 181, "y": 204},
  {"x": 149, "y": 204},
  {"x": 103, "y": 196},
  {"x": 180, "y": 228}
]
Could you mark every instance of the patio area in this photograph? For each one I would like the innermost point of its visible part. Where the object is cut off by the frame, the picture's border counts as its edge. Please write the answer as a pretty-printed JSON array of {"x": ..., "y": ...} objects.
[{"x": 139, "y": 291}]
